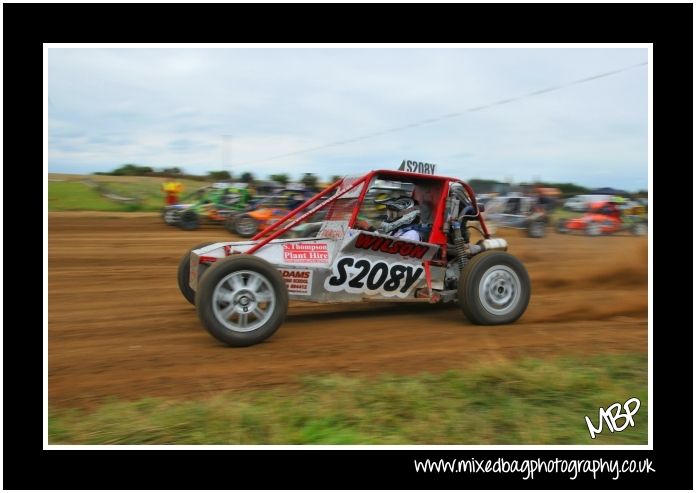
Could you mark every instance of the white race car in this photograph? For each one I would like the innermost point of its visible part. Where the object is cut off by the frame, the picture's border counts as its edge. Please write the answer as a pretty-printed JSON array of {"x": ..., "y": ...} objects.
[{"x": 241, "y": 289}]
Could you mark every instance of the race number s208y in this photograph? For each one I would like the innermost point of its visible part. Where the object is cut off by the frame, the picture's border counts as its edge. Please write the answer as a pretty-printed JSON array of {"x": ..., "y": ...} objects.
[{"x": 355, "y": 275}]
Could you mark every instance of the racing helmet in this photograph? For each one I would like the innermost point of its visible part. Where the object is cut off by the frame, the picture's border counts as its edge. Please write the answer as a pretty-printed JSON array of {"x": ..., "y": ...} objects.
[{"x": 401, "y": 212}]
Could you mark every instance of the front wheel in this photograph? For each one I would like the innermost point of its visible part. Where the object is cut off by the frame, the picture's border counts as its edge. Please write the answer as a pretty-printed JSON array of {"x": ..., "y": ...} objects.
[
  {"x": 640, "y": 229},
  {"x": 189, "y": 220},
  {"x": 593, "y": 229},
  {"x": 494, "y": 289},
  {"x": 229, "y": 222},
  {"x": 241, "y": 300},
  {"x": 536, "y": 229}
]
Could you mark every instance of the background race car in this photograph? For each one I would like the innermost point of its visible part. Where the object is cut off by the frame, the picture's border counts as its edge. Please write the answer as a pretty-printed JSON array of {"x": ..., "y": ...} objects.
[
  {"x": 518, "y": 212},
  {"x": 212, "y": 203},
  {"x": 263, "y": 213},
  {"x": 605, "y": 218}
]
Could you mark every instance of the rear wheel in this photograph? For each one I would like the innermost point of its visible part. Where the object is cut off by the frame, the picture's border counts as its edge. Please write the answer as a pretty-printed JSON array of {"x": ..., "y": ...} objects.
[
  {"x": 562, "y": 226},
  {"x": 246, "y": 226},
  {"x": 170, "y": 216},
  {"x": 494, "y": 288},
  {"x": 241, "y": 300},
  {"x": 183, "y": 274}
]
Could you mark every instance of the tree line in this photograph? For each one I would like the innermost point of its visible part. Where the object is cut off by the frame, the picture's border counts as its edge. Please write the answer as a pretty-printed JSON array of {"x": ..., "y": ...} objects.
[{"x": 310, "y": 180}]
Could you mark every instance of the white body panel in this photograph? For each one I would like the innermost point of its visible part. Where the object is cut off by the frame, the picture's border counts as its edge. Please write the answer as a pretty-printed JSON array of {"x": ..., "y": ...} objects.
[{"x": 359, "y": 266}]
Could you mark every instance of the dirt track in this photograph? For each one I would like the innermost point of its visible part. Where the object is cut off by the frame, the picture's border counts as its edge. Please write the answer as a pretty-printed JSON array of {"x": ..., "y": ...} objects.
[{"x": 118, "y": 325}]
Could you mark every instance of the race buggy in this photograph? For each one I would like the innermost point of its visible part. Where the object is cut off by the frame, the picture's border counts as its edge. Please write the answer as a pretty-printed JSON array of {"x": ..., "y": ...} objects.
[
  {"x": 265, "y": 212},
  {"x": 214, "y": 203},
  {"x": 241, "y": 289},
  {"x": 518, "y": 212}
]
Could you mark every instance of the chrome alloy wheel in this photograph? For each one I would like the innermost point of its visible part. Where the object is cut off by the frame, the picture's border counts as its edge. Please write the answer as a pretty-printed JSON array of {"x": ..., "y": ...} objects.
[
  {"x": 499, "y": 290},
  {"x": 243, "y": 301}
]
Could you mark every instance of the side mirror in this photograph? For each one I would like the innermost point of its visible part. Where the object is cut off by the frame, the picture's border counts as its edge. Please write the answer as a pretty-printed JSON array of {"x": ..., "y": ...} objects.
[{"x": 481, "y": 207}]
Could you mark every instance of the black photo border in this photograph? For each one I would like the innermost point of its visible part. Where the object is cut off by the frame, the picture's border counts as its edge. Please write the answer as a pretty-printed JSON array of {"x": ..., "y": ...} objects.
[{"x": 27, "y": 26}]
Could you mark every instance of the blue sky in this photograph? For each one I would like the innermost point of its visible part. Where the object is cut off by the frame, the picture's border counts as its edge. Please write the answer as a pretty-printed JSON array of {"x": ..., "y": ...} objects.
[{"x": 231, "y": 108}]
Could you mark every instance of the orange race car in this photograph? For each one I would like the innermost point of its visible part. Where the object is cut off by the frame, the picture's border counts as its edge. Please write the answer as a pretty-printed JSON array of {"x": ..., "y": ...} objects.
[
  {"x": 604, "y": 218},
  {"x": 266, "y": 212}
]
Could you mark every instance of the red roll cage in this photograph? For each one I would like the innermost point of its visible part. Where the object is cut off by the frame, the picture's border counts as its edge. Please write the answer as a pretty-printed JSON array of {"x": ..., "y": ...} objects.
[{"x": 437, "y": 235}]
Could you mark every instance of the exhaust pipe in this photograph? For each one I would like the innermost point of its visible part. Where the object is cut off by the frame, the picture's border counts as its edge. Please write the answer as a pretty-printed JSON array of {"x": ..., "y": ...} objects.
[{"x": 488, "y": 245}]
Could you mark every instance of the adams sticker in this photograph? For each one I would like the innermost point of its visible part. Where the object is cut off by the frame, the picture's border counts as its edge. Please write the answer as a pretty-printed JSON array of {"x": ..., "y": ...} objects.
[{"x": 298, "y": 281}]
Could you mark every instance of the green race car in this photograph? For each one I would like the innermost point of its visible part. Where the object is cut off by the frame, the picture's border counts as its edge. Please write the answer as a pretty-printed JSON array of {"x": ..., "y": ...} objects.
[{"x": 214, "y": 203}]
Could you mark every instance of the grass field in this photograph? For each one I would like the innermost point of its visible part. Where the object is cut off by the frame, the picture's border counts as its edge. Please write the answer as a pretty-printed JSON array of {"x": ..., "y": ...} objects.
[
  {"x": 525, "y": 401},
  {"x": 71, "y": 193},
  {"x": 76, "y": 196}
]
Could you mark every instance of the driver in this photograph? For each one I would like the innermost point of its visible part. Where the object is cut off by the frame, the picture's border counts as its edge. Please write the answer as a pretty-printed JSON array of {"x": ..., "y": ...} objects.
[{"x": 403, "y": 219}]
